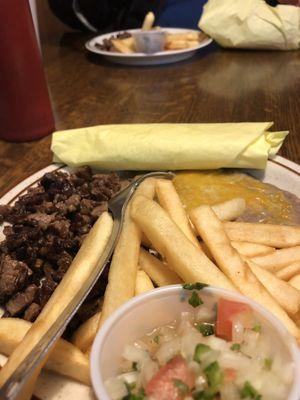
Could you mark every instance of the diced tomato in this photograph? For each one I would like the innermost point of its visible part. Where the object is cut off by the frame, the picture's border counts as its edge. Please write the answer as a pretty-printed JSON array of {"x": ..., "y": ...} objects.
[
  {"x": 162, "y": 387},
  {"x": 226, "y": 310},
  {"x": 230, "y": 374}
]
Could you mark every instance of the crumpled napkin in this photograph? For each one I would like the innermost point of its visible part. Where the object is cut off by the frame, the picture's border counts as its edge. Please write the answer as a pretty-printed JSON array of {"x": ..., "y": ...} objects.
[
  {"x": 251, "y": 24},
  {"x": 168, "y": 146}
]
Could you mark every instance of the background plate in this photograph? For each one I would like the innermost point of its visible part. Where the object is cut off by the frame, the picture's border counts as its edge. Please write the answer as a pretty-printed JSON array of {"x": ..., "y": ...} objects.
[{"x": 162, "y": 57}]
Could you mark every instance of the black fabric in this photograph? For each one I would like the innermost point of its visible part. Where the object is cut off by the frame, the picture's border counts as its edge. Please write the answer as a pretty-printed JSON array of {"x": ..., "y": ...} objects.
[
  {"x": 62, "y": 9},
  {"x": 272, "y": 3},
  {"x": 106, "y": 15}
]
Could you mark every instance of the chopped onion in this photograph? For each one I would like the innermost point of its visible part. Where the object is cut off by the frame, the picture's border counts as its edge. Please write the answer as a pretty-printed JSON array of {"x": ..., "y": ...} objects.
[
  {"x": 200, "y": 383},
  {"x": 209, "y": 357},
  {"x": 273, "y": 391},
  {"x": 250, "y": 343},
  {"x": 246, "y": 318},
  {"x": 129, "y": 377},
  {"x": 167, "y": 333},
  {"x": 205, "y": 314},
  {"x": 232, "y": 360},
  {"x": 237, "y": 331},
  {"x": 168, "y": 350},
  {"x": 229, "y": 391},
  {"x": 134, "y": 354},
  {"x": 195, "y": 367},
  {"x": 189, "y": 342},
  {"x": 148, "y": 370},
  {"x": 185, "y": 323},
  {"x": 217, "y": 344},
  {"x": 116, "y": 388}
]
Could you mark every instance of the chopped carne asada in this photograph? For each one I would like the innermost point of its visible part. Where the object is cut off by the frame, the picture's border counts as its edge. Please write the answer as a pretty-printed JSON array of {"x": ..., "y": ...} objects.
[{"x": 47, "y": 227}]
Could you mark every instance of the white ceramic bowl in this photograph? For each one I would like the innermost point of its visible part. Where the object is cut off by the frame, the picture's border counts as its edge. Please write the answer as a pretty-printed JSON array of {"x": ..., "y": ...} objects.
[{"x": 159, "y": 307}]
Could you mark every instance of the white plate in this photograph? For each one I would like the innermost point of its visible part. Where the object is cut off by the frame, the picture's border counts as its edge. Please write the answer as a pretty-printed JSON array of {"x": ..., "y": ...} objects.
[
  {"x": 162, "y": 57},
  {"x": 50, "y": 386}
]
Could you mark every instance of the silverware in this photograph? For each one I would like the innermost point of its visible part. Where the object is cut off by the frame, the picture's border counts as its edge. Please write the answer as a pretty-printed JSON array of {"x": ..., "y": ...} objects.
[{"x": 25, "y": 371}]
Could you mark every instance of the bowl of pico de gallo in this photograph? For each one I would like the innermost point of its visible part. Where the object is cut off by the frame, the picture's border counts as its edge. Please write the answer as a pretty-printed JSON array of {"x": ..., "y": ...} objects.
[{"x": 194, "y": 342}]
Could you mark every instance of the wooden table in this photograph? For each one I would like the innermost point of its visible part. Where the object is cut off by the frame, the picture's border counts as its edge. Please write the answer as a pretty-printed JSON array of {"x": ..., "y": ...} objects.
[{"x": 214, "y": 86}]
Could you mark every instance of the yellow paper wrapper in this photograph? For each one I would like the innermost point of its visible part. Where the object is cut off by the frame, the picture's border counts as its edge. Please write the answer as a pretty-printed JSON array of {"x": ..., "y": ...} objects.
[
  {"x": 168, "y": 146},
  {"x": 251, "y": 24}
]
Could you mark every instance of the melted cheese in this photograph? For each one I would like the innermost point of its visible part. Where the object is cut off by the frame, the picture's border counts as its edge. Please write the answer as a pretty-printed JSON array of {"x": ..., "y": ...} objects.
[{"x": 266, "y": 202}]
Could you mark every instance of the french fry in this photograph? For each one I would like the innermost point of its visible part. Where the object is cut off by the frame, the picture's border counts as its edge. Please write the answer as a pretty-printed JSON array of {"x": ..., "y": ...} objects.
[
  {"x": 206, "y": 251},
  {"x": 252, "y": 249},
  {"x": 148, "y": 21},
  {"x": 212, "y": 232},
  {"x": 279, "y": 259},
  {"x": 124, "y": 264},
  {"x": 189, "y": 262},
  {"x": 295, "y": 281},
  {"x": 125, "y": 46},
  {"x": 230, "y": 209},
  {"x": 296, "y": 319},
  {"x": 145, "y": 241},
  {"x": 202, "y": 36},
  {"x": 288, "y": 272},
  {"x": 287, "y": 296},
  {"x": 170, "y": 201},
  {"x": 192, "y": 43},
  {"x": 66, "y": 359},
  {"x": 271, "y": 235},
  {"x": 80, "y": 269},
  {"x": 187, "y": 36},
  {"x": 86, "y": 333},
  {"x": 177, "y": 45},
  {"x": 143, "y": 283},
  {"x": 158, "y": 271}
]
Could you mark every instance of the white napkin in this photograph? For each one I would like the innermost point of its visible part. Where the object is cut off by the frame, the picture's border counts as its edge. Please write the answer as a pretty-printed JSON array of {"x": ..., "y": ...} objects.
[{"x": 251, "y": 24}]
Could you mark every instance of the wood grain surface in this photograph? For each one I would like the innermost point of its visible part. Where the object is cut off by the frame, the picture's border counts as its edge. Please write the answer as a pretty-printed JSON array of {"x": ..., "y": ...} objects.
[{"x": 214, "y": 86}]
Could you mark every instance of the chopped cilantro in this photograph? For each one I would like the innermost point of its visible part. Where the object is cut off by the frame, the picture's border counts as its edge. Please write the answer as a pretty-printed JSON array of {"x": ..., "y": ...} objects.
[
  {"x": 206, "y": 329},
  {"x": 134, "y": 397},
  {"x": 249, "y": 392},
  {"x": 257, "y": 328},
  {"x": 181, "y": 386},
  {"x": 268, "y": 363},
  {"x": 200, "y": 350},
  {"x": 214, "y": 376},
  {"x": 135, "y": 366},
  {"x": 195, "y": 300},
  {"x": 203, "y": 395},
  {"x": 156, "y": 339},
  {"x": 194, "y": 286},
  {"x": 140, "y": 396},
  {"x": 235, "y": 347}
]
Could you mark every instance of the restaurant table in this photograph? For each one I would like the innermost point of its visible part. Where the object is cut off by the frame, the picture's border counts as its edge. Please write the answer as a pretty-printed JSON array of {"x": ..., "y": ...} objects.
[{"x": 216, "y": 85}]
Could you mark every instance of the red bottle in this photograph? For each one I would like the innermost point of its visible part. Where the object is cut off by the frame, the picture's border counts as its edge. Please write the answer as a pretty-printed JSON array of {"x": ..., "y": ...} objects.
[{"x": 25, "y": 109}]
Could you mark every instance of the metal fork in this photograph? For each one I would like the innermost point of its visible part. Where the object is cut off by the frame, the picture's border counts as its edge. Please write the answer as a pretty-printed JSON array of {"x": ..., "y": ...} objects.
[{"x": 25, "y": 371}]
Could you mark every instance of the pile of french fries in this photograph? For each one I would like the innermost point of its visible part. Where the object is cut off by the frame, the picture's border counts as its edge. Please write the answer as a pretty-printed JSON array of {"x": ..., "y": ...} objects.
[
  {"x": 261, "y": 261},
  {"x": 160, "y": 244},
  {"x": 174, "y": 41}
]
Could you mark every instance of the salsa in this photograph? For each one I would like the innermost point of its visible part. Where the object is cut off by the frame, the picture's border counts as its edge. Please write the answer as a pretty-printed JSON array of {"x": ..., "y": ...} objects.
[{"x": 220, "y": 350}]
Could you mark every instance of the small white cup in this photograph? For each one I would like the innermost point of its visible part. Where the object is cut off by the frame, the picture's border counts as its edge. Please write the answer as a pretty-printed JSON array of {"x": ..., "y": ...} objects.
[
  {"x": 149, "y": 42},
  {"x": 159, "y": 307}
]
